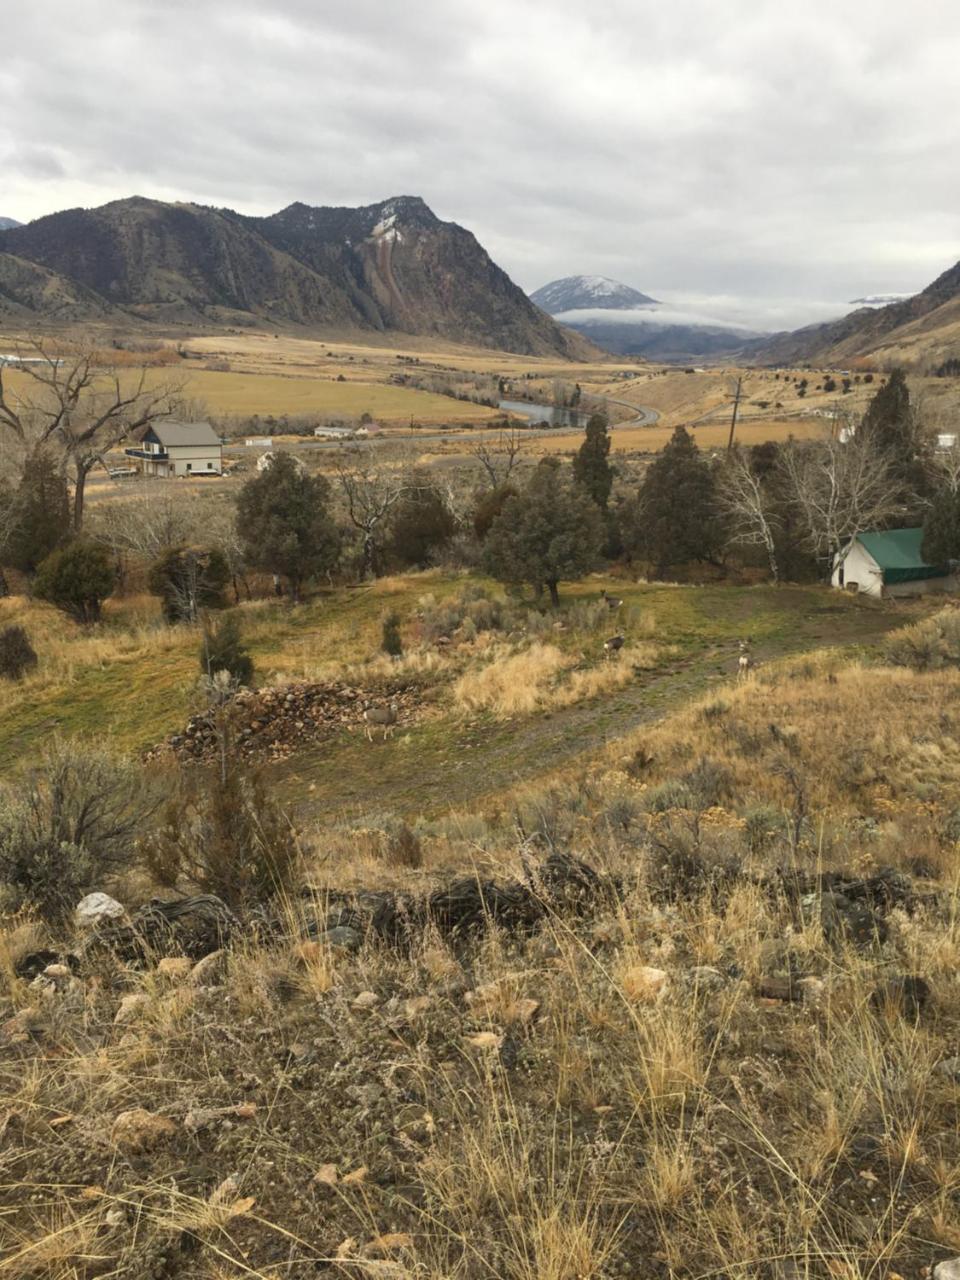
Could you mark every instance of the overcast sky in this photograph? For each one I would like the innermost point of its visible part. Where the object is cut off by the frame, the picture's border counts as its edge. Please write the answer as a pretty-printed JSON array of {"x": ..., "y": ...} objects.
[{"x": 782, "y": 154}]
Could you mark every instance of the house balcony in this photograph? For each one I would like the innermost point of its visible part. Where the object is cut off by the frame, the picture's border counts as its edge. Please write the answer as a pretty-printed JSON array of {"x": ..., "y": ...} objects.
[{"x": 149, "y": 456}]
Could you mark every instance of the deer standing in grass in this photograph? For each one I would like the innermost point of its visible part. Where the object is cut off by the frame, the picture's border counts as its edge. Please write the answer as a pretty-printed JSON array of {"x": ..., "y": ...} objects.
[
  {"x": 384, "y": 718},
  {"x": 612, "y": 602},
  {"x": 612, "y": 647},
  {"x": 744, "y": 662}
]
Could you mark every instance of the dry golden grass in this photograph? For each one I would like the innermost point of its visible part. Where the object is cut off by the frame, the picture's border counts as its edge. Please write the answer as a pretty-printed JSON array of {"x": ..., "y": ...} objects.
[{"x": 541, "y": 677}]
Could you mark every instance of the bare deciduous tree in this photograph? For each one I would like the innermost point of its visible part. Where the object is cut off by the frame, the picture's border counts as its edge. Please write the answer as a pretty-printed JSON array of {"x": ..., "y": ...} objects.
[
  {"x": 501, "y": 459},
  {"x": 840, "y": 488},
  {"x": 370, "y": 494},
  {"x": 749, "y": 511},
  {"x": 72, "y": 397}
]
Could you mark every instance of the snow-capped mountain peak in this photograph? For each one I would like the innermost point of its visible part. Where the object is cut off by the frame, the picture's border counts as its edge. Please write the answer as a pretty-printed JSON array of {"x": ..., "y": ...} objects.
[{"x": 574, "y": 293}]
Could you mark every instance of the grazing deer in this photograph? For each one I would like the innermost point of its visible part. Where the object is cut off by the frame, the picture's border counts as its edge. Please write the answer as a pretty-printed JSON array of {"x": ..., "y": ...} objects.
[
  {"x": 612, "y": 602},
  {"x": 744, "y": 662},
  {"x": 382, "y": 717},
  {"x": 613, "y": 646}
]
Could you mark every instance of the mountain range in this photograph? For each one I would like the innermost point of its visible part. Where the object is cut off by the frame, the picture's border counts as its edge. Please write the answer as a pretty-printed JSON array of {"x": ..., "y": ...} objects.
[
  {"x": 391, "y": 266},
  {"x": 609, "y": 313},
  {"x": 922, "y": 329},
  {"x": 577, "y": 293},
  {"x": 7, "y": 223}
]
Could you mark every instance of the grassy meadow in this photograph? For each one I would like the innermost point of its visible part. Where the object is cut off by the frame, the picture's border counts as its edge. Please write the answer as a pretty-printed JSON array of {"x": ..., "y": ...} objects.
[{"x": 691, "y": 1076}]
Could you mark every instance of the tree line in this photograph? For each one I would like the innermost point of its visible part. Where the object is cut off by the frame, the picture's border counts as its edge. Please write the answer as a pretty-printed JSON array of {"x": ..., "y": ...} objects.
[{"x": 795, "y": 504}]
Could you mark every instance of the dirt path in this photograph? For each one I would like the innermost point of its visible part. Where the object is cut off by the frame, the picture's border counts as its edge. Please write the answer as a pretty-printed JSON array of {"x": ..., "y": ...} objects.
[{"x": 454, "y": 761}]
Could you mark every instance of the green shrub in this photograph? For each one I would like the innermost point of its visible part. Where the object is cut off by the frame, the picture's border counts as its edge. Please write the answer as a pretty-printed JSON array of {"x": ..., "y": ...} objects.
[
  {"x": 225, "y": 835},
  {"x": 223, "y": 650},
  {"x": 672, "y": 794},
  {"x": 17, "y": 654},
  {"x": 920, "y": 647},
  {"x": 187, "y": 580},
  {"x": 77, "y": 579},
  {"x": 74, "y": 822},
  {"x": 392, "y": 641}
]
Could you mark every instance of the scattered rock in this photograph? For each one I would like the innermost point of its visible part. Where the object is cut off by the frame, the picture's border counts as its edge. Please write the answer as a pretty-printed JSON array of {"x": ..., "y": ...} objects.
[
  {"x": 326, "y": 1176},
  {"x": 342, "y": 938},
  {"x": 706, "y": 978},
  {"x": 24, "y": 1021},
  {"x": 947, "y": 1270},
  {"x": 211, "y": 970},
  {"x": 843, "y": 919},
  {"x": 138, "y": 1130},
  {"x": 813, "y": 990},
  {"x": 130, "y": 1008},
  {"x": 906, "y": 994},
  {"x": 487, "y": 1041},
  {"x": 779, "y": 988},
  {"x": 387, "y": 1245},
  {"x": 58, "y": 972},
  {"x": 278, "y": 721},
  {"x": 366, "y": 1000},
  {"x": 355, "y": 1175},
  {"x": 175, "y": 967},
  {"x": 97, "y": 907},
  {"x": 642, "y": 982},
  {"x": 416, "y": 1006}
]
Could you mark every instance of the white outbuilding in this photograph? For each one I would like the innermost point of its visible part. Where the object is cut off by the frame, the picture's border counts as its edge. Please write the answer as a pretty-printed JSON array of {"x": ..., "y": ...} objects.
[{"x": 890, "y": 563}]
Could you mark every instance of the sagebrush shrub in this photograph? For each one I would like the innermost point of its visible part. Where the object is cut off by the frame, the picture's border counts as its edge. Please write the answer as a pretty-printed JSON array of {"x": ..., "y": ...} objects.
[
  {"x": 74, "y": 823},
  {"x": 17, "y": 654}
]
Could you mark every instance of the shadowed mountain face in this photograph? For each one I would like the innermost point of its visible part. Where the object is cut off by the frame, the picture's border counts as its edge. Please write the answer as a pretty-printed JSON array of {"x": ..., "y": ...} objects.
[
  {"x": 924, "y": 327},
  {"x": 392, "y": 266}
]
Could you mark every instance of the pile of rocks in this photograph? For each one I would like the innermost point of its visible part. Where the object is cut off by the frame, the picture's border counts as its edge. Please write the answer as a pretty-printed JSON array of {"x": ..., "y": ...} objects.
[{"x": 274, "y": 722}]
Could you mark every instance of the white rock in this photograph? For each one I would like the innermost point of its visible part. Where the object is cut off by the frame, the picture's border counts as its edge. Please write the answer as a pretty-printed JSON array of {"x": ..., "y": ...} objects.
[
  {"x": 949, "y": 1270},
  {"x": 96, "y": 907},
  {"x": 130, "y": 1008}
]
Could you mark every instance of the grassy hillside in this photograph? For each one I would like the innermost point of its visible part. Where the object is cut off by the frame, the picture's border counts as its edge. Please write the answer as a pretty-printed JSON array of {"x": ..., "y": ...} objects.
[{"x": 708, "y": 1062}]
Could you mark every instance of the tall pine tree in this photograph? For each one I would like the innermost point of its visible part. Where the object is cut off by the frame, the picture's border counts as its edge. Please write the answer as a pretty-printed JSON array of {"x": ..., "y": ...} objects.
[
  {"x": 941, "y": 528},
  {"x": 592, "y": 471},
  {"x": 679, "y": 512},
  {"x": 890, "y": 424}
]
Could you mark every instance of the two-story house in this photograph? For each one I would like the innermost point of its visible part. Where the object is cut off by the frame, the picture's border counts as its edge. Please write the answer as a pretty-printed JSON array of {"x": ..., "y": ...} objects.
[{"x": 179, "y": 449}]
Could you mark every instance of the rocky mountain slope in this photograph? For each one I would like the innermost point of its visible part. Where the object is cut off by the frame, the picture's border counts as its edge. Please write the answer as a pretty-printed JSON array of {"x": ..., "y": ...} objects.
[
  {"x": 577, "y": 293},
  {"x": 922, "y": 330},
  {"x": 392, "y": 266}
]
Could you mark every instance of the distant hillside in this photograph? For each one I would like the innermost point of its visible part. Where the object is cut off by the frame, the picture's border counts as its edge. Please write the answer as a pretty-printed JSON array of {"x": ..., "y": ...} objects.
[
  {"x": 921, "y": 330},
  {"x": 392, "y": 266},
  {"x": 7, "y": 223},
  {"x": 578, "y": 293},
  {"x": 671, "y": 342}
]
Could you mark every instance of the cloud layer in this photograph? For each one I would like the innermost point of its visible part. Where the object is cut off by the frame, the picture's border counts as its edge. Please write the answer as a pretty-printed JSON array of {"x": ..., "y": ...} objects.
[{"x": 745, "y": 149}]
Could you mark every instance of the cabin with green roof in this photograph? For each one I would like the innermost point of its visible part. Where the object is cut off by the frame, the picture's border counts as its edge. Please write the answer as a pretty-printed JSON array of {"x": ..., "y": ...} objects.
[{"x": 890, "y": 563}]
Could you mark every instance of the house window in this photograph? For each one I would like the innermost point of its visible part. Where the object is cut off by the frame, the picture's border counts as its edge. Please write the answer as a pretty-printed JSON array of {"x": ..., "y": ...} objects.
[{"x": 189, "y": 466}]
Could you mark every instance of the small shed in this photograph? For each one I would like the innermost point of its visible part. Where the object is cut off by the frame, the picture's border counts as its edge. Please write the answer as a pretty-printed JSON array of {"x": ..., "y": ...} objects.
[{"x": 890, "y": 563}]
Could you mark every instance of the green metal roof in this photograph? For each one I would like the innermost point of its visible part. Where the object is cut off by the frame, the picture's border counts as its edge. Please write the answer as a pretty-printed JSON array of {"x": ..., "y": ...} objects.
[{"x": 897, "y": 552}]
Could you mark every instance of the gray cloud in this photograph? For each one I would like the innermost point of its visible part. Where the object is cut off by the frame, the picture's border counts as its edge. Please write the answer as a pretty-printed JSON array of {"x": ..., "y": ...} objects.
[{"x": 757, "y": 151}]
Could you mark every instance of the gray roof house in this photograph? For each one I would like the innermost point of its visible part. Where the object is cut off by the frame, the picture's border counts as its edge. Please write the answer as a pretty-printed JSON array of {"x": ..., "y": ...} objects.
[{"x": 173, "y": 448}]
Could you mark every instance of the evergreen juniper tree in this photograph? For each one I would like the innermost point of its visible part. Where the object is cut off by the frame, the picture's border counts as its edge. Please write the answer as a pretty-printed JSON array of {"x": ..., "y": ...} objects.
[
  {"x": 591, "y": 467},
  {"x": 285, "y": 525},
  {"x": 941, "y": 528},
  {"x": 678, "y": 501},
  {"x": 549, "y": 533}
]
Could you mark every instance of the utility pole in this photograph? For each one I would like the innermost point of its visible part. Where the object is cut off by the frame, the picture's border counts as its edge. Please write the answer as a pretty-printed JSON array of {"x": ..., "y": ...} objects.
[{"x": 736, "y": 406}]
